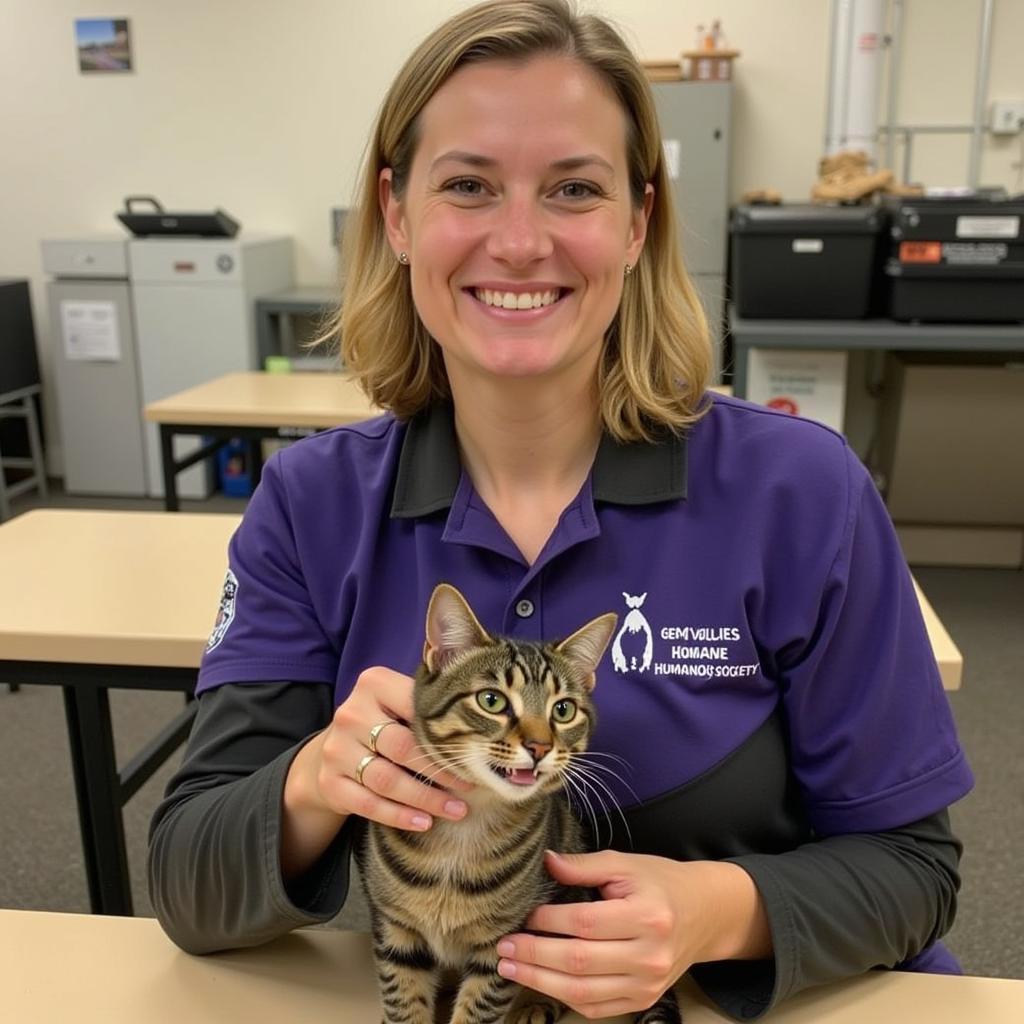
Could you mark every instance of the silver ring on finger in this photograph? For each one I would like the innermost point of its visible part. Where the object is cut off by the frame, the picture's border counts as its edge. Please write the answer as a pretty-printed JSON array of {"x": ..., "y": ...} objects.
[
  {"x": 361, "y": 767},
  {"x": 376, "y": 731}
]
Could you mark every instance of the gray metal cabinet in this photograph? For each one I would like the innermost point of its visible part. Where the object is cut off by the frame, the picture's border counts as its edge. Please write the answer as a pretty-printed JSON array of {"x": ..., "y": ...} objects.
[
  {"x": 98, "y": 394},
  {"x": 695, "y": 126}
]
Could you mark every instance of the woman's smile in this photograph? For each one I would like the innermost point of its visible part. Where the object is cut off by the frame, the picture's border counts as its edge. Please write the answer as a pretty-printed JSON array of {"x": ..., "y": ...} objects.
[{"x": 510, "y": 305}]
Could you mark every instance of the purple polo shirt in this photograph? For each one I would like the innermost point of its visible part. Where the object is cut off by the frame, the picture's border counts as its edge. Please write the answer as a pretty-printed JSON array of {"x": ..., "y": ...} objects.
[{"x": 752, "y": 564}]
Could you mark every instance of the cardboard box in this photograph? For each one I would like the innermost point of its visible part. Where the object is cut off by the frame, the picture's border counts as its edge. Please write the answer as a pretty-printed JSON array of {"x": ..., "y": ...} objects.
[{"x": 950, "y": 441}]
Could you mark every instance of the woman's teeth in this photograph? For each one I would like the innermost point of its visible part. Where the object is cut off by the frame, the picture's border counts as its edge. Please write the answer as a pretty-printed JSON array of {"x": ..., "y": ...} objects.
[{"x": 516, "y": 300}]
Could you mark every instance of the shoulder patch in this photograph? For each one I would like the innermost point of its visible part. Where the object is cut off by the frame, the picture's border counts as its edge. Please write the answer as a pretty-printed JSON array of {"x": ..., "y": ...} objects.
[{"x": 226, "y": 611}]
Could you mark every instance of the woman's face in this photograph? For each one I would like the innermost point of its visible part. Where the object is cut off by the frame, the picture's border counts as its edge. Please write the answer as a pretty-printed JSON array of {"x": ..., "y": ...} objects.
[{"x": 517, "y": 218}]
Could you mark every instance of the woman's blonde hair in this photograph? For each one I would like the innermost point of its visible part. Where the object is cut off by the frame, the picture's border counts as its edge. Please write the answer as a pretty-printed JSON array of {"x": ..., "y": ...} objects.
[{"x": 656, "y": 360}]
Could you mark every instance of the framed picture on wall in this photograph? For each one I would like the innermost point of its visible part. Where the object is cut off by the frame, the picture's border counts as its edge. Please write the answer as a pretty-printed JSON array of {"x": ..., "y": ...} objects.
[{"x": 104, "y": 45}]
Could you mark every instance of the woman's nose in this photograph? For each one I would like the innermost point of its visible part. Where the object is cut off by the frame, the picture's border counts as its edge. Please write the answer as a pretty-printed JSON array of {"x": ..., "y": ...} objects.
[{"x": 518, "y": 234}]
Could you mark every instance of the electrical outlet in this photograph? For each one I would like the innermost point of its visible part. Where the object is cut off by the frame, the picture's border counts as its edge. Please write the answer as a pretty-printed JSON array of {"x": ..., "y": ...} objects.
[{"x": 1007, "y": 117}]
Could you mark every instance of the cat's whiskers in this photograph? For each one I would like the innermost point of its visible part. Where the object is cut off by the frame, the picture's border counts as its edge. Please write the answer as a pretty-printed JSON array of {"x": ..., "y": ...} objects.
[
  {"x": 593, "y": 766},
  {"x": 441, "y": 753},
  {"x": 590, "y": 779},
  {"x": 573, "y": 787},
  {"x": 585, "y": 786},
  {"x": 608, "y": 754},
  {"x": 447, "y": 764}
]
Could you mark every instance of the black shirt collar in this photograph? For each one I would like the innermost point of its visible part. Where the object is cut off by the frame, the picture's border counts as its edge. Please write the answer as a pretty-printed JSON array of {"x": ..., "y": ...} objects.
[{"x": 429, "y": 469}]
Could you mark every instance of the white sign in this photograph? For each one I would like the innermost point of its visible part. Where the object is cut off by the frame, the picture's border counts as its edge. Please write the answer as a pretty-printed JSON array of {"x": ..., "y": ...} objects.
[
  {"x": 90, "y": 331},
  {"x": 801, "y": 382},
  {"x": 987, "y": 227}
]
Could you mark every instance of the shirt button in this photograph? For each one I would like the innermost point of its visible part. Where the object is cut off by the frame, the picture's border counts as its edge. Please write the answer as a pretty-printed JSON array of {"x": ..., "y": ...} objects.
[{"x": 524, "y": 608}]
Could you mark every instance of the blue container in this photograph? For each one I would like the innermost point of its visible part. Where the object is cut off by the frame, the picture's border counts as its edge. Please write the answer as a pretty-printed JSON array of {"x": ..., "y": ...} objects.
[{"x": 234, "y": 469}]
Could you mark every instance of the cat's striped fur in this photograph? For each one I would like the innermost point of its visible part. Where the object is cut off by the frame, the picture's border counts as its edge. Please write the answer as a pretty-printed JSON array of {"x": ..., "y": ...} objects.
[{"x": 509, "y": 716}]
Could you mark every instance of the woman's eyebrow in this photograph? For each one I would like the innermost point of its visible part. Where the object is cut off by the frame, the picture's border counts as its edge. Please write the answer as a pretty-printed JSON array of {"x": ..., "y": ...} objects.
[
  {"x": 460, "y": 157},
  {"x": 571, "y": 163}
]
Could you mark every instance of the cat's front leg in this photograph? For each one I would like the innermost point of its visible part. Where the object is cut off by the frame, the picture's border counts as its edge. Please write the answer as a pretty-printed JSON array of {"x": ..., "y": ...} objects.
[
  {"x": 484, "y": 996},
  {"x": 532, "y": 1007},
  {"x": 407, "y": 973}
]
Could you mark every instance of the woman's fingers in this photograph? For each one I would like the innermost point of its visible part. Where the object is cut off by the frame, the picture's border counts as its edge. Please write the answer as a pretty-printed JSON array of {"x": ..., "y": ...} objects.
[
  {"x": 371, "y": 765},
  {"x": 571, "y": 956},
  {"x": 402, "y": 809},
  {"x": 602, "y": 920},
  {"x": 574, "y": 990},
  {"x": 388, "y": 781},
  {"x": 398, "y": 744}
]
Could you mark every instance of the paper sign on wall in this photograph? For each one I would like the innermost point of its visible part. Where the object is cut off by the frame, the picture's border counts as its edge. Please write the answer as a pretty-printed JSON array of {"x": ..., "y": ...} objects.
[
  {"x": 801, "y": 382},
  {"x": 90, "y": 331}
]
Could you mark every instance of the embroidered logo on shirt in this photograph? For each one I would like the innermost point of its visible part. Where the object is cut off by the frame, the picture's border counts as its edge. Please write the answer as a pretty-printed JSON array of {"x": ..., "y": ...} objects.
[
  {"x": 624, "y": 656},
  {"x": 226, "y": 611},
  {"x": 699, "y": 651}
]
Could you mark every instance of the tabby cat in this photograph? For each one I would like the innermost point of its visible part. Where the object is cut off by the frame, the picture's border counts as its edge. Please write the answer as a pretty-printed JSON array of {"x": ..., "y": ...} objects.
[{"x": 509, "y": 716}]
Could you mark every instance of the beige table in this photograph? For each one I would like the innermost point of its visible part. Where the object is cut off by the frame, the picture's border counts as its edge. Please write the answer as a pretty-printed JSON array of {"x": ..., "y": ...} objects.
[
  {"x": 252, "y": 406},
  {"x": 947, "y": 654},
  {"x": 109, "y": 970},
  {"x": 98, "y": 600}
]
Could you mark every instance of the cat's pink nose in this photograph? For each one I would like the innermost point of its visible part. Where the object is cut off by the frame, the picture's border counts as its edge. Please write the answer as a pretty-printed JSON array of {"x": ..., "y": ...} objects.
[{"x": 537, "y": 749}]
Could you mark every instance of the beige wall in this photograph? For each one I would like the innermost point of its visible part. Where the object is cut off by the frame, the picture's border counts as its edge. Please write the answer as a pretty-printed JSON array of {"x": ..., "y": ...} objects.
[{"x": 263, "y": 107}]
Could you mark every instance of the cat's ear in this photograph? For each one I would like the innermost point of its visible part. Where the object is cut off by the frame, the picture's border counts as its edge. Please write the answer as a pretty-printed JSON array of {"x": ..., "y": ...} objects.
[
  {"x": 586, "y": 646},
  {"x": 451, "y": 628}
]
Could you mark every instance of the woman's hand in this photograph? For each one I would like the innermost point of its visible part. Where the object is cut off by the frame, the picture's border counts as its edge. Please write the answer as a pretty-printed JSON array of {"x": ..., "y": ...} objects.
[
  {"x": 337, "y": 774},
  {"x": 656, "y": 918}
]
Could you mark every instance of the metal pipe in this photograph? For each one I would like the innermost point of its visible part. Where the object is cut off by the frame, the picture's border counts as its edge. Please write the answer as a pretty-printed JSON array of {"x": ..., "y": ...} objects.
[
  {"x": 892, "y": 100},
  {"x": 980, "y": 93},
  {"x": 829, "y": 113},
  {"x": 930, "y": 129},
  {"x": 844, "y": 118}
]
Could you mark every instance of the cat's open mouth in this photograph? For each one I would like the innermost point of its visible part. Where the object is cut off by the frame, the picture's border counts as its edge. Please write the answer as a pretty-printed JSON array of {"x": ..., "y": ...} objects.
[{"x": 517, "y": 776}]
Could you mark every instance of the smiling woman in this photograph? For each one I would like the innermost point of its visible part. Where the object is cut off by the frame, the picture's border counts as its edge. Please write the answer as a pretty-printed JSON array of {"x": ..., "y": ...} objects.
[
  {"x": 517, "y": 242},
  {"x": 768, "y": 722},
  {"x": 518, "y": 154}
]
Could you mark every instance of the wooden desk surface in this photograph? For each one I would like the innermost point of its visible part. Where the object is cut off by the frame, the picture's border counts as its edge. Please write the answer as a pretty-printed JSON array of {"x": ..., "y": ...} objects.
[
  {"x": 258, "y": 399},
  {"x": 118, "y": 970},
  {"x": 71, "y": 585},
  {"x": 947, "y": 654}
]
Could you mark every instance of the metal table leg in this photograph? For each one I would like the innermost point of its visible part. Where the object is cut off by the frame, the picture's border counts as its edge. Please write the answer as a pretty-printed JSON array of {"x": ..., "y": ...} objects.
[
  {"x": 255, "y": 460},
  {"x": 170, "y": 471},
  {"x": 98, "y": 792}
]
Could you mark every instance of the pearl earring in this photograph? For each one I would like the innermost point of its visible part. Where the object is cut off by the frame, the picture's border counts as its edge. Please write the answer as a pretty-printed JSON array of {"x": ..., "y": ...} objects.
[
  {"x": 403, "y": 258},
  {"x": 629, "y": 269}
]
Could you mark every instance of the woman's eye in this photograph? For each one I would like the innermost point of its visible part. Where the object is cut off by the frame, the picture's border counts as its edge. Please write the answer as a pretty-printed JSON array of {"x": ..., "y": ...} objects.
[
  {"x": 491, "y": 700},
  {"x": 577, "y": 190},
  {"x": 564, "y": 711},
  {"x": 465, "y": 187}
]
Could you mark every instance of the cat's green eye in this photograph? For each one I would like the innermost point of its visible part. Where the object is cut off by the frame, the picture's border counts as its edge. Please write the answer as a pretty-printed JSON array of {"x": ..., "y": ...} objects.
[
  {"x": 564, "y": 711},
  {"x": 492, "y": 700}
]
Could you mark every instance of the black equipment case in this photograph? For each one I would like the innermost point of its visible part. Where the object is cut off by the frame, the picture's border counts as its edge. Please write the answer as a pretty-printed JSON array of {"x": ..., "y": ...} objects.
[
  {"x": 959, "y": 260},
  {"x": 157, "y": 221},
  {"x": 802, "y": 260}
]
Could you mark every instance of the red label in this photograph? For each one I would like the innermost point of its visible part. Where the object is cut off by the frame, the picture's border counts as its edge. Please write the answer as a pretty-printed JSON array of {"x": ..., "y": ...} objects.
[
  {"x": 784, "y": 405},
  {"x": 920, "y": 252}
]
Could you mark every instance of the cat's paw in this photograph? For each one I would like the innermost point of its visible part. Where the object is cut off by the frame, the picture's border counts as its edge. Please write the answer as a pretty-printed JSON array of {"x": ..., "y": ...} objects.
[{"x": 534, "y": 1013}]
